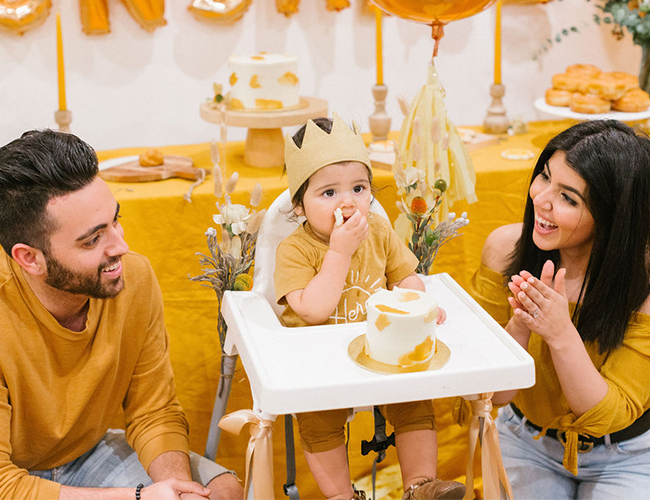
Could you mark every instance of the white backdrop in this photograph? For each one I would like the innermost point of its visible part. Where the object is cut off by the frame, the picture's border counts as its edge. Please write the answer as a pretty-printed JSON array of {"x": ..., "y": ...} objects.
[{"x": 133, "y": 88}]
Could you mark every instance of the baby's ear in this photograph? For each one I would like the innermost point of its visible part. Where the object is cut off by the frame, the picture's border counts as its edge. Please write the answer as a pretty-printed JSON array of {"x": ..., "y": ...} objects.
[{"x": 298, "y": 210}]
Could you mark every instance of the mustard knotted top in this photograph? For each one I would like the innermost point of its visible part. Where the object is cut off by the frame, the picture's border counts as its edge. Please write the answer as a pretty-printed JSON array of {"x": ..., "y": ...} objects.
[{"x": 626, "y": 370}]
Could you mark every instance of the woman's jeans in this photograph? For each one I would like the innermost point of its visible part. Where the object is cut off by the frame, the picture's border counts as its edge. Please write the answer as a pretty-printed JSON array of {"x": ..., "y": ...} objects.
[
  {"x": 112, "y": 463},
  {"x": 534, "y": 467}
]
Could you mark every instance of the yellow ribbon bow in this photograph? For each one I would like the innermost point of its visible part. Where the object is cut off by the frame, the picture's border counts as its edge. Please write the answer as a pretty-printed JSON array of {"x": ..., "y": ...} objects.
[
  {"x": 259, "y": 453},
  {"x": 482, "y": 429}
]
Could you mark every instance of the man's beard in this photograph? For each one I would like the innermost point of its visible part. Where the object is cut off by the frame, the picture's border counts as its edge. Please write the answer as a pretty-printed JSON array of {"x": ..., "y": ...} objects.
[{"x": 67, "y": 280}]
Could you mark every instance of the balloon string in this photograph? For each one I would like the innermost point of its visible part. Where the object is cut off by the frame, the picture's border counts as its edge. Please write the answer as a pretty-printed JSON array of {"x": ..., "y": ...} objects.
[{"x": 437, "y": 32}]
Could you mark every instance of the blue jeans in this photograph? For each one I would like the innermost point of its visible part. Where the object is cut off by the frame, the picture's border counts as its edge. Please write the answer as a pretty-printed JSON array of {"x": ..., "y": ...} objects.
[
  {"x": 534, "y": 467},
  {"x": 112, "y": 463}
]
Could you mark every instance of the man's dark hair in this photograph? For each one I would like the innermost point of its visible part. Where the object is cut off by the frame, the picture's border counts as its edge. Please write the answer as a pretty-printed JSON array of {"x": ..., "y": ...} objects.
[{"x": 41, "y": 165}]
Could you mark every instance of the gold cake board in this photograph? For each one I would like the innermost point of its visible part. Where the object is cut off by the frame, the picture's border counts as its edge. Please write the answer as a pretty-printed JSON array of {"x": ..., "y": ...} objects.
[{"x": 357, "y": 351}]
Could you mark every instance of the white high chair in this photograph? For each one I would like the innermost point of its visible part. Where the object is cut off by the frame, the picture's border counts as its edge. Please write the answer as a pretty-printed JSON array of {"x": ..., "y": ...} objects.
[
  {"x": 278, "y": 224},
  {"x": 294, "y": 370}
]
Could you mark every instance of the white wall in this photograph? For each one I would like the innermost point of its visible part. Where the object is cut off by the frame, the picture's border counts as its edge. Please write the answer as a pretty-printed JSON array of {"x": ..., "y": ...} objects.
[{"x": 133, "y": 88}]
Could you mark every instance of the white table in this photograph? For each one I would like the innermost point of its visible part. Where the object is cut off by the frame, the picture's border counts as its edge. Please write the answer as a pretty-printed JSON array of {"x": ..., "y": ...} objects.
[{"x": 293, "y": 370}]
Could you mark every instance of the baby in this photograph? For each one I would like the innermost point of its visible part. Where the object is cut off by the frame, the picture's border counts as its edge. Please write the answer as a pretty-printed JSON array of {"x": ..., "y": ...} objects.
[{"x": 325, "y": 271}]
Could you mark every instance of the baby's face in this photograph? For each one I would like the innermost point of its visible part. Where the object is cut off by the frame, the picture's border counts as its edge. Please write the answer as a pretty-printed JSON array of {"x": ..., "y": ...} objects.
[{"x": 344, "y": 186}]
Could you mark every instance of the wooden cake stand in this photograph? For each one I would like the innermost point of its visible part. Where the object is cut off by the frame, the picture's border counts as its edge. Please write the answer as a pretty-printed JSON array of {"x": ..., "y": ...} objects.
[{"x": 264, "y": 140}]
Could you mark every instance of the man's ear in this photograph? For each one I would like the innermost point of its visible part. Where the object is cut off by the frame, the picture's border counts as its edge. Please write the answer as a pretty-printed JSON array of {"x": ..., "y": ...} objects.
[{"x": 29, "y": 258}]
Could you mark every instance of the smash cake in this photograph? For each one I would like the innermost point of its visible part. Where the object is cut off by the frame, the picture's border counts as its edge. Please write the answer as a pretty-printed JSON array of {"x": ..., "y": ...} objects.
[
  {"x": 263, "y": 82},
  {"x": 401, "y": 327}
]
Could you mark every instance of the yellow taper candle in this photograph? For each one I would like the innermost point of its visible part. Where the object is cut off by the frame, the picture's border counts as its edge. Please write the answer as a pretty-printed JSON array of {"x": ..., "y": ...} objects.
[
  {"x": 59, "y": 63},
  {"x": 380, "y": 60},
  {"x": 497, "y": 45}
]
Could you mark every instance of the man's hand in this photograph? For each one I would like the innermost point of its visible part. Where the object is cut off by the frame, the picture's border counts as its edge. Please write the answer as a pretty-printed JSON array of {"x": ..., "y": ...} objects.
[{"x": 174, "y": 489}]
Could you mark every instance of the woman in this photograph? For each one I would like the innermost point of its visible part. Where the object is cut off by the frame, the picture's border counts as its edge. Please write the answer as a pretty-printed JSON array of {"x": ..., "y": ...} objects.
[{"x": 571, "y": 285}]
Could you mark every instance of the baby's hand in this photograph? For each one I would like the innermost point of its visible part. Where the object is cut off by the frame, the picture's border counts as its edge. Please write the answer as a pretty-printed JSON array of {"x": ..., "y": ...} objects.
[
  {"x": 442, "y": 316},
  {"x": 345, "y": 239}
]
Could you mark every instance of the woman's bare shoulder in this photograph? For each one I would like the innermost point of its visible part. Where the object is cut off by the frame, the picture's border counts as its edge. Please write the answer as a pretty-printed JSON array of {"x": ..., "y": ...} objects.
[{"x": 499, "y": 245}]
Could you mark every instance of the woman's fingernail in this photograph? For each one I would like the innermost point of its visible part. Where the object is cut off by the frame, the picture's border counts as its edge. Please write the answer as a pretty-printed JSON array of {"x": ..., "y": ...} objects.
[{"x": 524, "y": 286}]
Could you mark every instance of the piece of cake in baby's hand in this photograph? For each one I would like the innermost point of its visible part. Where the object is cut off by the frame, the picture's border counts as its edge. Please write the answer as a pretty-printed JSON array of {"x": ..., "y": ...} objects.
[{"x": 338, "y": 215}]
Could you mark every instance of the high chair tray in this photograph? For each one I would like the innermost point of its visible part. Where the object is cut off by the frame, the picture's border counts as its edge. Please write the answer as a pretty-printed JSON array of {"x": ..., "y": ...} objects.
[{"x": 293, "y": 370}]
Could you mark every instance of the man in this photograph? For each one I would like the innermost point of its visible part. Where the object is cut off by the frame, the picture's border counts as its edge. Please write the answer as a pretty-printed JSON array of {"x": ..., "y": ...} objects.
[{"x": 81, "y": 339}]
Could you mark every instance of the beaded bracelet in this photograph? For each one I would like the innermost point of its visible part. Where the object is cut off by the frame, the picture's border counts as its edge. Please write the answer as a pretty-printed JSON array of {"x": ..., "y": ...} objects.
[{"x": 137, "y": 491}]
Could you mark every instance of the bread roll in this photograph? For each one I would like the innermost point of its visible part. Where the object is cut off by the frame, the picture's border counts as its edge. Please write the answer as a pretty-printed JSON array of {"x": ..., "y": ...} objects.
[
  {"x": 633, "y": 101},
  {"x": 586, "y": 70},
  {"x": 557, "y": 97},
  {"x": 589, "y": 104}
]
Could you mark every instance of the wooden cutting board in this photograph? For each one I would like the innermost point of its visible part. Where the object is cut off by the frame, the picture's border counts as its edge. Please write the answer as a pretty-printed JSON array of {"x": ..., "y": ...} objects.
[{"x": 173, "y": 166}]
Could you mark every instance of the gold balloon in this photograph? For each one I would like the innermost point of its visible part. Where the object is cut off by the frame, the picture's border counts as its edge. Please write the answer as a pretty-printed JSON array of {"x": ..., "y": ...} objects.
[
  {"x": 433, "y": 11},
  {"x": 227, "y": 11},
  {"x": 94, "y": 17},
  {"x": 287, "y": 7},
  {"x": 149, "y": 13},
  {"x": 18, "y": 16},
  {"x": 337, "y": 4}
]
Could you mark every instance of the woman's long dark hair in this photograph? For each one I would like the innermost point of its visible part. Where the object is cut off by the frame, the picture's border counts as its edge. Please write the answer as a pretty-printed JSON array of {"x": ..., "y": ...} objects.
[{"x": 615, "y": 164}]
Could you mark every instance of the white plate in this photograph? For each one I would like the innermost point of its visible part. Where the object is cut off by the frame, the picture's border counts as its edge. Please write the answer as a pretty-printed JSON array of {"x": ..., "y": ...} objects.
[
  {"x": 566, "y": 112},
  {"x": 113, "y": 162}
]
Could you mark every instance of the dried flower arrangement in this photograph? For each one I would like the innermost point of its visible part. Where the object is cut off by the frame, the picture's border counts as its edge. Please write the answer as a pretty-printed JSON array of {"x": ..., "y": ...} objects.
[
  {"x": 427, "y": 237},
  {"x": 232, "y": 246}
]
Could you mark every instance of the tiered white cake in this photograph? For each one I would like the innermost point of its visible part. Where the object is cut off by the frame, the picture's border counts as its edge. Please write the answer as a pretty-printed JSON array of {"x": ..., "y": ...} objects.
[
  {"x": 263, "y": 82},
  {"x": 401, "y": 327}
]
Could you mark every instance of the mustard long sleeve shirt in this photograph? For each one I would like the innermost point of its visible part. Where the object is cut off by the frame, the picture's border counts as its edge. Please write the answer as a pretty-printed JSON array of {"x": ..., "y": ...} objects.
[
  {"x": 626, "y": 370},
  {"x": 59, "y": 389}
]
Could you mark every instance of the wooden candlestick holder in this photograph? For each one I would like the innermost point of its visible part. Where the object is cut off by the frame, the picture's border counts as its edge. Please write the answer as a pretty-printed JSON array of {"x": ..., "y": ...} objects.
[
  {"x": 379, "y": 120},
  {"x": 63, "y": 118},
  {"x": 496, "y": 121}
]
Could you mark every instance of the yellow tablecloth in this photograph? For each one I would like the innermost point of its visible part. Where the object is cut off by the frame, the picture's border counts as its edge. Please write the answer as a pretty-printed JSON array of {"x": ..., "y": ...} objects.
[{"x": 162, "y": 225}]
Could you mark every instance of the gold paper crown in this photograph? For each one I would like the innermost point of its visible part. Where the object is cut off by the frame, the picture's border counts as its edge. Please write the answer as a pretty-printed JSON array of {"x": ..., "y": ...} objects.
[{"x": 320, "y": 149}]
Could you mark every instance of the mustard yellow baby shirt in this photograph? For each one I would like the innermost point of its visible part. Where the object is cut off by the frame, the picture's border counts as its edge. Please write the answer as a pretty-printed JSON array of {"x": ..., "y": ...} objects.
[
  {"x": 381, "y": 258},
  {"x": 626, "y": 370},
  {"x": 59, "y": 389}
]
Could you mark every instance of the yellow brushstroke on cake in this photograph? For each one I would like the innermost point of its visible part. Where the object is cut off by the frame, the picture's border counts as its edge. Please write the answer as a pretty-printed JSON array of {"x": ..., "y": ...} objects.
[
  {"x": 258, "y": 58},
  {"x": 408, "y": 296},
  {"x": 234, "y": 103},
  {"x": 268, "y": 104},
  {"x": 254, "y": 83},
  {"x": 288, "y": 79},
  {"x": 233, "y": 79},
  {"x": 420, "y": 353},
  {"x": 431, "y": 316},
  {"x": 382, "y": 322},
  {"x": 388, "y": 309}
]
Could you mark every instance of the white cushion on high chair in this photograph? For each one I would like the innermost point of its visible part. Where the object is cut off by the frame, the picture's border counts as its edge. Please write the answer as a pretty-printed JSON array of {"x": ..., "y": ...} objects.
[{"x": 278, "y": 224}]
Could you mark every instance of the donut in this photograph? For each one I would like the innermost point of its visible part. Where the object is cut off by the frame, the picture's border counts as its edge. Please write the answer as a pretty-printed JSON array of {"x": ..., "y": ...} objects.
[
  {"x": 588, "y": 104},
  {"x": 633, "y": 101},
  {"x": 630, "y": 80},
  {"x": 572, "y": 83},
  {"x": 557, "y": 97},
  {"x": 587, "y": 70},
  {"x": 608, "y": 86}
]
